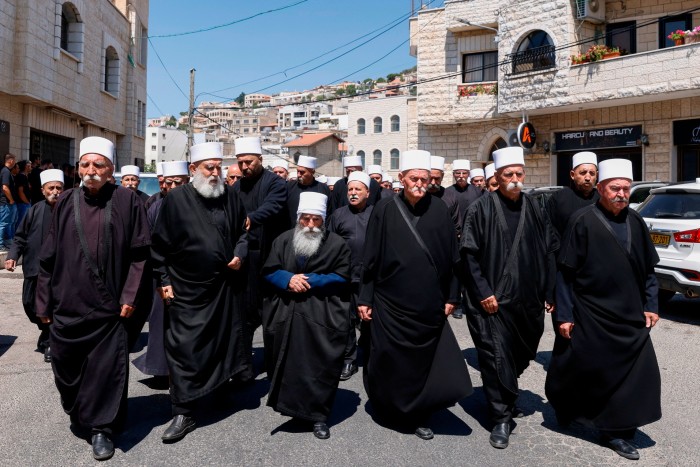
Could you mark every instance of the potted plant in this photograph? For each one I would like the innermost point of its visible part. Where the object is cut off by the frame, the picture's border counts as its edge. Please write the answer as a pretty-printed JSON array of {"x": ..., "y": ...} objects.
[
  {"x": 692, "y": 35},
  {"x": 579, "y": 59},
  {"x": 611, "y": 52},
  {"x": 677, "y": 37}
]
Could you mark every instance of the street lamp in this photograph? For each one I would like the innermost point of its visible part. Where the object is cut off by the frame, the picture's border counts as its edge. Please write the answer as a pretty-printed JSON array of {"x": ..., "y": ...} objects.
[{"x": 469, "y": 23}]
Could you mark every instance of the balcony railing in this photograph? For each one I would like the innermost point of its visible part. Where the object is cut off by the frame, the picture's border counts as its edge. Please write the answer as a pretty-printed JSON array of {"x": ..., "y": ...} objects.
[{"x": 540, "y": 58}]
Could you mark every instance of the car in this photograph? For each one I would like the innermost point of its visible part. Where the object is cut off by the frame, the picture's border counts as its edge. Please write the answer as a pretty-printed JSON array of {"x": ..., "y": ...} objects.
[
  {"x": 149, "y": 182},
  {"x": 672, "y": 214},
  {"x": 640, "y": 191},
  {"x": 542, "y": 194}
]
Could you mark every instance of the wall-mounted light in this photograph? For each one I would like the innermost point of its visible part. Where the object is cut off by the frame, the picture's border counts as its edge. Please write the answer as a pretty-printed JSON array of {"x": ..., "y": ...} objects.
[
  {"x": 644, "y": 139},
  {"x": 545, "y": 146}
]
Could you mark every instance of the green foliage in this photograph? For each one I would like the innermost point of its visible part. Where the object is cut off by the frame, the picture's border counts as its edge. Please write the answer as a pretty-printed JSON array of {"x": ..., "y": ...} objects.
[
  {"x": 240, "y": 99},
  {"x": 391, "y": 76},
  {"x": 351, "y": 90}
]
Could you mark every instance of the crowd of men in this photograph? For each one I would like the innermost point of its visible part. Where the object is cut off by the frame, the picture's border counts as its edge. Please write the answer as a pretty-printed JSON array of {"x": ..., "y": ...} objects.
[{"x": 218, "y": 252}]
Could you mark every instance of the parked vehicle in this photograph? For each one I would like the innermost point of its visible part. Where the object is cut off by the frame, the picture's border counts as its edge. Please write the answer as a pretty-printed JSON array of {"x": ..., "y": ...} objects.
[
  {"x": 542, "y": 194},
  {"x": 640, "y": 191},
  {"x": 149, "y": 182}
]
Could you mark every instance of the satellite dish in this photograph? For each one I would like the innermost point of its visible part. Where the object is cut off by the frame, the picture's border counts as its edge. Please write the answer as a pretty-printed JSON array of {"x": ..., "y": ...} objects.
[{"x": 593, "y": 5}]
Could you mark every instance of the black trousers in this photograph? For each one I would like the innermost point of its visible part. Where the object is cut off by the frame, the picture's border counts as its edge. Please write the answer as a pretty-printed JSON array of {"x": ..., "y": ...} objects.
[
  {"x": 28, "y": 297},
  {"x": 351, "y": 346},
  {"x": 253, "y": 311}
]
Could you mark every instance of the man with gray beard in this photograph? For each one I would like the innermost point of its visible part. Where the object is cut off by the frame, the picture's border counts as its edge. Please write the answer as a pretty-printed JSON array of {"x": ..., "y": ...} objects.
[
  {"x": 305, "y": 313},
  {"x": 198, "y": 245}
]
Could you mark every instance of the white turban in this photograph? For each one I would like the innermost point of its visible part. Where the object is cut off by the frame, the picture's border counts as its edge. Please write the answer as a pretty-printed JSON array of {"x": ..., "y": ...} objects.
[
  {"x": 358, "y": 176},
  {"x": 51, "y": 175},
  {"x": 312, "y": 203},
  {"x": 97, "y": 145}
]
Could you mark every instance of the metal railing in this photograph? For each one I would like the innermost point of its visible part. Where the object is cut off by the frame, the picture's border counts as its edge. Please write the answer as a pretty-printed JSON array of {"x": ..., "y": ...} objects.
[{"x": 540, "y": 58}]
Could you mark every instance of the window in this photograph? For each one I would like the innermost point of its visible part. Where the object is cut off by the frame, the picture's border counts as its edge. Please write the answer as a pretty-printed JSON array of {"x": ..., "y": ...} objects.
[
  {"x": 394, "y": 159},
  {"x": 377, "y": 157},
  {"x": 377, "y": 124},
  {"x": 143, "y": 49},
  {"x": 162, "y": 149},
  {"x": 535, "y": 52},
  {"x": 669, "y": 25},
  {"x": 154, "y": 148},
  {"x": 623, "y": 36},
  {"x": 140, "y": 118},
  {"x": 500, "y": 143},
  {"x": 111, "y": 71},
  {"x": 153, "y": 135},
  {"x": 71, "y": 30},
  {"x": 395, "y": 123},
  {"x": 480, "y": 67},
  {"x": 362, "y": 156},
  {"x": 361, "y": 126}
]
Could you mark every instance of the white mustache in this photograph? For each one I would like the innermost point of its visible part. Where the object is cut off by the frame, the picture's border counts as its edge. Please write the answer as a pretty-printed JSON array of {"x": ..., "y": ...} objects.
[
  {"x": 311, "y": 229},
  {"x": 87, "y": 178},
  {"x": 513, "y": 185},
  {"x": 433, "y": 186},
  {"x": 418, "y": 189},
  {"x": 52, "y": 197},
  {"x": 620, "y": 199},
  {"x": 354, "y": 197}
]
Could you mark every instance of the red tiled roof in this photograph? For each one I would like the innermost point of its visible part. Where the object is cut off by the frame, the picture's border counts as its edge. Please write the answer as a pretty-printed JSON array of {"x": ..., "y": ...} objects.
[{"x": 309, "y": 139}]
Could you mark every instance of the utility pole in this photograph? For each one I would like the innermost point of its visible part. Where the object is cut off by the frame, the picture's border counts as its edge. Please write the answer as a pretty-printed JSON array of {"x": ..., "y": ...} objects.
[{"x": 190, "y": 126}]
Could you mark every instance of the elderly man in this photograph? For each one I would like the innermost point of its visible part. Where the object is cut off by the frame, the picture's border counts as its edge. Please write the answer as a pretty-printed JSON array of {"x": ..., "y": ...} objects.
[
  {"x": 264, "y": 196},
  {"x": 386, "y": 182},
  {"x": 396, "y": 187},
  {"x": 131, "y": 178},
  {"x": 563, "y": 203},
  {"x": 407, "y": 290},
  {"x": 8, "y": 203},
  {"x": 350, "y": 222},
  {"x": 478, "y": 179},
  {"x": 92, "y": 282},
  {"x": 465, "y": 192},
  {"x": 281, "y": 169},
  {"x": 30, "y": 236},
  {"x": 604, "y": 370},
  {"x": 375, "y": 173},
  {"x": 233, "y": 174},
  {"x": 491, "y": 183},
  {"x": 156, "y": 196},
  {"x": 331, "y": 181},
  {"x": 306, "y": 315},
  {"x": 435, "y": 188},
  {"x": 339, "y": 196},
  {"x": 508, "y": 245},
  {"x": 304, "y": 183},
  {"x": 198, "y": 248}
]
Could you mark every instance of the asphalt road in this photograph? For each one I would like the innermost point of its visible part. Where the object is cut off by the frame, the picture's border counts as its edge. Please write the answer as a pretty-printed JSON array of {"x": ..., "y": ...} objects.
[{"x": 239, "y": 429}]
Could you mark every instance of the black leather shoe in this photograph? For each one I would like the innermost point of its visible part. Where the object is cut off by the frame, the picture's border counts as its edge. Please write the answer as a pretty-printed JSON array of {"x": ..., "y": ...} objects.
[
  {"x": 181, "y": 425},
  {"x": 102, "y": 447},
  {"x": 321, "y": 430},
  {"x": 348, "y": 370},
  {"x": 47, "y": 355},
  {"x": 424, "y": 433},
  {"x": 623, "y": 448},
  {"x": 500, "y": 436},
  {"x": 458, "y": 313}
]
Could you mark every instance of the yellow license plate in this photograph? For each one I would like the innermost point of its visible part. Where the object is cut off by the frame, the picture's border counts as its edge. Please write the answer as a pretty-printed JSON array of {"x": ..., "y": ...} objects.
[{"x": 660, "y": 239}]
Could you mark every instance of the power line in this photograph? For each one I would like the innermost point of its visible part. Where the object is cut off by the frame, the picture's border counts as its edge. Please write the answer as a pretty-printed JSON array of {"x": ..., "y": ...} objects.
[
  {"x": 166, "y": 70},
  {"x": 154, "y": 104}
]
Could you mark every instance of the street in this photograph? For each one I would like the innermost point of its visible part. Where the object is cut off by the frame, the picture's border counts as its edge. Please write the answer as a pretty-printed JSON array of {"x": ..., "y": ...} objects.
[{"x": 240, "y": 429}]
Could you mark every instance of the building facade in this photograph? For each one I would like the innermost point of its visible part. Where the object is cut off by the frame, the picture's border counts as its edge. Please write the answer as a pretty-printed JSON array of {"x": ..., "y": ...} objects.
[
  {"x": 494, "y": 64},
  {"x": 165, "y": 144},
  {"x": 72, "y": 69}
]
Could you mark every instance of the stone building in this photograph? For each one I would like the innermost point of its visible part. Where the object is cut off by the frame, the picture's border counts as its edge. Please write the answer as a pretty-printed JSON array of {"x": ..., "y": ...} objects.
[
  {"x": 165, "y": 143},
  {"x": 495, "y": 63},
  {"x": 72, "y": 69},
  {"x": 323, "y": 146}
]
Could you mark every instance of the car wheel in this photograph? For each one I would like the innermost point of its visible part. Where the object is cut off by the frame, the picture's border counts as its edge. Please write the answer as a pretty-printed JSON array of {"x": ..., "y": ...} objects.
[{"x": 665, "y": 296}]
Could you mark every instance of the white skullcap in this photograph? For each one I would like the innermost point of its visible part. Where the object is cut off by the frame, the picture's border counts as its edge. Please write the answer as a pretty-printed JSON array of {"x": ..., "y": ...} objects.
[
  {"x": 512, "y": 155},
  {"x": 97, "y": 145},
  {"x": 414, "y": 159},
  {"x": 352, "y": 161},
  {"x": 322, "y": 179},
  {"x": 437, "y": 163},
  {"x": 375, "y": 169},
  {"x": 388, "y": 178},
  {"x": 282, "y": 164},
  {"x": 358, "y": 176},
  {"x": 312, "y": 203},
  {"x": 489, "y": 171},
  {"x": 396, "y": 185},
  {"x": 307, "y": 162},
  {"x": 51, "y": 175},
  {"x": 615, "y": 168},
  {"x": 205, "y": 151},
  {"x": 175, "y": 168},
  {"x": 159, "y": 169},
  {"x": 332, "y": 180},
  {"x": 477, "y": 173},
  {"x": 131, "y": 170},
  {"x": 461, "y": 164},
  {"x": 585, "y": 157},
  {"x": 248, "y": 145}
]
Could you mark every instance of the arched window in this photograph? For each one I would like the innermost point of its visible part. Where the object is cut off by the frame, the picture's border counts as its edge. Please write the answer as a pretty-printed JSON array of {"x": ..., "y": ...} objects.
[
  {"x": 361, "y": 126},
  {"x": 362, "y": 156},
  {"x": 394, "y": 159},
  {"x": 111, "y": 80},
  {"x": 377, "y": 124},
  {"x": 377, "y": 157},
  {"x": 395, "y": 123},
  {"x": 535, "y": 52},
  {"x": 71, "y": 30},
  {"x": 500, "y": 143}
]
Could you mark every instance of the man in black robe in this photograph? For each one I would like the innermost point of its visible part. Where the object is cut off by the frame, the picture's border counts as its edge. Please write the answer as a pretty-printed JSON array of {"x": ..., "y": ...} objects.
[
  {"x": 264, "y": 196},
  {"x": 281, "y": 169},
  {"x": 604, "y": 371},
  {"x": 304, "y": 182},
  {"x": 408, "y": 289},
  {"x": 91, "y": 287},
  {"x": 350, "y": 222},
  {"x": 478, "y": 179},
  {"x": 198, "y": 248},
  {"x": 30, "y": 236},
  {"x": 155, "y": 197},
  {"x": 131, "y": 179},
  {"x": 339, "y": 197},
  {"x": 233, "y": 174},
  {"x": 435, "y": 188},
  {"x": 508, "y": 245},
  {"x": 306, "y": 315},
  {"x": 490, "y": 181},
  {"x": 465, "y": 192}
]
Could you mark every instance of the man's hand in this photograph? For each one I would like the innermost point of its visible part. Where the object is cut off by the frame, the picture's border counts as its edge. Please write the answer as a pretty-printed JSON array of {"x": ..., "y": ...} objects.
[
  {"x": 490, "y": 305},
  {"x": 549, "y": 307},
  {"x": 365, "y": 312},
  {"x": 565, "y": 330},
  {"x": 235, "y": 263},
  {"x": 247, "y": 223},
  {"x": 127, "y": 311},
  {"x": 166, "y": 293},
  {"x": 449, "y": 308},
  {"x": 10, "y": 265},
  {"x": 652, "y": 318},
  {"x": 298, "y": 283},
  {"x": 45, "y": 319}
]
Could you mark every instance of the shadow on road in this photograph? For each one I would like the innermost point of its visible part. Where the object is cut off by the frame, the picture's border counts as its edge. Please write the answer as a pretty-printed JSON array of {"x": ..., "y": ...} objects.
[
  {"x": 144, "y": 414},
  {"x": 345, "y": 405},
  {"x": 5, "y": 343},
  {"x": 442, "y": 422},
  {"x": 528, "y": 401}
]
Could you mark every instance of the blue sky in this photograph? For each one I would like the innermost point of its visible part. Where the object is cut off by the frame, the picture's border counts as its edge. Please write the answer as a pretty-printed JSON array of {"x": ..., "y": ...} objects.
[{"x": 229, "y": 57}]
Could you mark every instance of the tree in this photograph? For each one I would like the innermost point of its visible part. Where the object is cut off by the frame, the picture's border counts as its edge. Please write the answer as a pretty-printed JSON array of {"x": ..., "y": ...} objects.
[
  {"x": 339, "y": 92},
  {"x": 240, "y": 99},
  {"x": 381, "y": 80},
  {"x": 320, "y": 97},
  {"x": 391, "y": 76},
  {"x": 351, "y": 90},
  {"x": 182, "y": 114},
  {"x": 171, "y": 121}
]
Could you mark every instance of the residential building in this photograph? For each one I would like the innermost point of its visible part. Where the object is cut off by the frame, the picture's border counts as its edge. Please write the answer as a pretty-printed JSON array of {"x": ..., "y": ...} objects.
[
  {"x": 486, "y": 65},
  {"x": 323, "y": 146},
  {"x": 301, "y": 116},
  {"x": 255, "y": 100},
  {"x": 72, "y": 69},
  {"x": 165, "y": 143}
]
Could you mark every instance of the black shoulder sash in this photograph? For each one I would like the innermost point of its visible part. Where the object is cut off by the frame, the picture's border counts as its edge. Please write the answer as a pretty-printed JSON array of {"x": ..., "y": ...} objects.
[
  {"x": 412, "y": 228},
  {"x": 97, "y": 270}
]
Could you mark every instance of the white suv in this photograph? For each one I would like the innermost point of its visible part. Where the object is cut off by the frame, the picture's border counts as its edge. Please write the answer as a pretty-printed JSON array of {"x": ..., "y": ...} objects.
[{"x": 672, "y": 214}]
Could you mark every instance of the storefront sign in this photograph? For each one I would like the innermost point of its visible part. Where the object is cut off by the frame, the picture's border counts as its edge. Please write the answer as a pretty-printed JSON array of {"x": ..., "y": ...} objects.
[
  {"x": 526, "y": 135},
  {"x": 4, "y": 138},
  {"x": 599, "y": 138},
  {"x": 686, "y": 132}
]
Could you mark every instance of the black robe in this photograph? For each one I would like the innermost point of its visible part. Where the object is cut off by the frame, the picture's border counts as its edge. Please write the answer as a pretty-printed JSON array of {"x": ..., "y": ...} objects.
[
  {"x": 450, "y": 199},
  {"x": 339, "y": 196},
  {"x": 465, "y": 196},
  {"x": 307, "y": 332},
  {"x": 295, "y": 189},
  {"x": 82, "y": 286},
  {"x": 563, "y": 203},
  {"x": 606, "y": 375},
  {"x": 352, "y": 226},
  {"x": 415, "y": 365},
  {"x": 193, "y": 241}
]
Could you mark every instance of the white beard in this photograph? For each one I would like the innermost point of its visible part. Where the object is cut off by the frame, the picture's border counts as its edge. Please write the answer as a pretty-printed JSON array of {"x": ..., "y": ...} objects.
[
  {"x": 307, "y": 240},
  {"x": 205, "y": 188}
]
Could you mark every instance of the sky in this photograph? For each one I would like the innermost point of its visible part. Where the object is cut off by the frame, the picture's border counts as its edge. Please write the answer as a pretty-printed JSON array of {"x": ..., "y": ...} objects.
[{"x": 265, "y": 52}]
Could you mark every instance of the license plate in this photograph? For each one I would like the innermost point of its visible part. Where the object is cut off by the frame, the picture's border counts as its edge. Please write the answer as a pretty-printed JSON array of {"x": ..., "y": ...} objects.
[{"x": 659, "y": 239}]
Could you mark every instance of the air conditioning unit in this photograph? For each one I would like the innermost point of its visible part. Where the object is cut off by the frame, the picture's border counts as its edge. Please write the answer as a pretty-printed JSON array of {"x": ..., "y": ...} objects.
[{"x": 590, "y": 10}]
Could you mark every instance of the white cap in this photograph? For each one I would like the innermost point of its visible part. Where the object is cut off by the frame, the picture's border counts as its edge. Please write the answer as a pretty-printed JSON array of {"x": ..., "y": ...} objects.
[
  {"x": 248, "y": 145},
  {"x": 205, "y": 151},
  {"x": 396, "y": 185},
  {"x": 358, "y": 176},
  {"x": 282, "y": 164},
  {"x": 332, "y": 180},
  {"x": 307, "y": 162},
  {"x": 131, "y": 170},
  {"x": 489, "y": 171},
  {"x": 375, "y": 169},
  {"x": 585, "y": 157},
  {"x": 51, "y": 175},
  {"x": 414, "y": 159},
  {"x": 437, "y": 163},
  {"x": 312, "y": 203},
  {"x": 322, "y": 179},
  {"x": 512, "y": 155},
  {"x": 175, "y": 168},
  {"x": 477, "y": 173},
  {"x": 97, "y": 145},
  {"x": 159, "y": 169},
  {"x": 388, "y": 178},
  {"x": 352, "y": 161},
  {"x": 461, "y": 164},
  {"x": 615, "y": 168}
]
